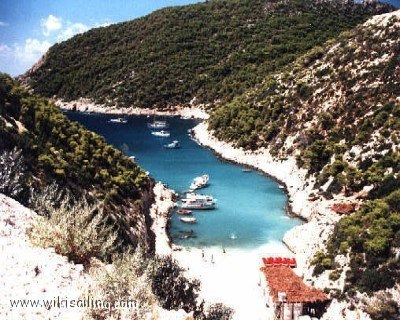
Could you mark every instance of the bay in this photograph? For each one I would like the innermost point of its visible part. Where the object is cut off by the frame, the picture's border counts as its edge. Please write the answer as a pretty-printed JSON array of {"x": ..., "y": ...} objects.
[{"x": 250, "y": 206}]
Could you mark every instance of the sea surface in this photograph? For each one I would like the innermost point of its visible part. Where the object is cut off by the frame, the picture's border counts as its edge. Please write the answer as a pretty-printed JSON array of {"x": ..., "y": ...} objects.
[{"x": 250, "y": 206}]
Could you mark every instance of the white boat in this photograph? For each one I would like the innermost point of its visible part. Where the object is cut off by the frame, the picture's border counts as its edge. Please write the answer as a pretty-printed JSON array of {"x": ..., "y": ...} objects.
[
  {"x": 173, "y": 145},
  {"x": 198, "y": 202},
  {"x": 188, "y": 219},
  {"x": 161, "y": 133},
  {"x": 119, "y": 120},
  {"x": 158, "y": 124},
  {"x": 200, "y": 182}
]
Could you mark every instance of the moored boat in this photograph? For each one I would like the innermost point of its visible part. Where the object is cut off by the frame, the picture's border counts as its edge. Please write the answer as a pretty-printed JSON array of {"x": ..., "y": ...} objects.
[
  {"x": 183, "y": 212},
  {"x": 119, "y": 120},
  {"x": 161, "y": 133},
  {"x": 173, "y": 145},
  {"x": 188, "y": 219},
  {"x": 198, "y": 202},
  {"x": 200, "y": 182},
  {"x": 158, "y": 124}
]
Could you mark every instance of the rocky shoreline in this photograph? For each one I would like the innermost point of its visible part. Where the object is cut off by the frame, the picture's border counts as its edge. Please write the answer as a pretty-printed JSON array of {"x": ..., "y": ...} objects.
[
  {"x": 86, "y": 105},
  {"x": 303, "y": 240}
]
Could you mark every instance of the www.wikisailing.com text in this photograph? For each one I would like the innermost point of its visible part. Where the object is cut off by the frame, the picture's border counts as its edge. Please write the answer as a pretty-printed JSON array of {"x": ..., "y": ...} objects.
[{"x": 64, "y": 303}]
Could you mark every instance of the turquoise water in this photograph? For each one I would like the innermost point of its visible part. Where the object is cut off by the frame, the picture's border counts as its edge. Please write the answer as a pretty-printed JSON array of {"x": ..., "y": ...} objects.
[{"x": 250, "y": 209}]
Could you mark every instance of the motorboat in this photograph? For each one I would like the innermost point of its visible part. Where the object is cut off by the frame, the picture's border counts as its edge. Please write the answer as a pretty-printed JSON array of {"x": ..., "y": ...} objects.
[
  {"x": 158, "y": 124},
  {"x": 119, "y": 120},
  {"x": 162, "y": 133},
  {"x": 184, "y": 212},
  {"x": 187, "y": 234},
  {"x": 200, "y": 182},
  {"x": 173, "y": 145},
  {"x": 188, "y": 219},
  {"x": 198, "y": 202}
]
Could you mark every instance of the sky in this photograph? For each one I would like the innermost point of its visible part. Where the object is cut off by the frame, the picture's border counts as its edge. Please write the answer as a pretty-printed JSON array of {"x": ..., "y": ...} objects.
[{"x": 29, "y": 27}]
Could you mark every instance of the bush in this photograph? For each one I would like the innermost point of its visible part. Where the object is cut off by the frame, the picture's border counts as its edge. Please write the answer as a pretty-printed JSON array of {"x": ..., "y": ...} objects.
[
  {"x": 384, "y": 308},
  {"x": 77, "y": 231},
  {"x": 45, "y": 200},
  {"x": 13, "y": 174},
  {"x": 173, "y": 290},
  {"x": 335, "y": 275},
  {"x": 127, "y": 280},
  {"x": 219, "y": 311}
]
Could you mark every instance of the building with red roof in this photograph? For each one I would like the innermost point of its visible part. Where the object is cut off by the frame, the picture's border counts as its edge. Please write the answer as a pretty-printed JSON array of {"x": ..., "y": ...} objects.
[{"x": 289, "y": 295}]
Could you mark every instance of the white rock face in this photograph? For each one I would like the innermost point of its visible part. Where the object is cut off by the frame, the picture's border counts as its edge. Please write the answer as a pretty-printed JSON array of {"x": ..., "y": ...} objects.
[
  {"x": 37, "y": 275},
  {"x": 33, "y": 274},
  {"x": 160, "y": 214},
  {"x": 86, "y": 105}
]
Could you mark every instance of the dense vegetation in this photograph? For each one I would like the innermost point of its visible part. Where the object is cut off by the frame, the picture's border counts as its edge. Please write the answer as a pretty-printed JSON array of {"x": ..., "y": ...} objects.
[
  {"x": 337, "y": 111},
  {"x": 212, "y": 51},
  {"x": 329, "y": 109},
  {"x": 55, "y": 149}
]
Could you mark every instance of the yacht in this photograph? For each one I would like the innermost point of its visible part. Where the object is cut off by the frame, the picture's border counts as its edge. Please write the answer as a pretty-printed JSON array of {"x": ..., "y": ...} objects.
[
  {"x": 173, "y": 145},
  {"x": 188, "y": 219},
  {"x": 119, "y": 120},
  {"x": 200, "y": 182},
  {"x": 198, "y": 202},
  {"x": 184, "y": 212},
  {"x": 161, "y": 133},
  {"x": 158, "y": 124}
]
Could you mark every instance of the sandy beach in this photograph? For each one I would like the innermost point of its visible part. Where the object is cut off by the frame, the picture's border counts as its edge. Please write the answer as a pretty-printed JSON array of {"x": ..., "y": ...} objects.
[{"x": 231, "y": 277}]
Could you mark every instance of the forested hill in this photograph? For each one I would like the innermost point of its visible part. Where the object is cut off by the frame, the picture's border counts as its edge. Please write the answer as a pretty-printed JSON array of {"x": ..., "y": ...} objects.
[
  {"x": 337, "y": 111},
  {"x": 53, "y": 151},
  {"x": 212, "y": 51}
]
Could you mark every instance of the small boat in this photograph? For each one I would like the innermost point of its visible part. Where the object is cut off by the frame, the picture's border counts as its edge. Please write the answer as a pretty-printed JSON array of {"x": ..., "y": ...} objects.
[
  {"x": 158, "y": 124},
  {"x": 173, "y": 145},
  {"x": 200, "y": 182},
  {"x": 246, "y": 170},
  {"x": 188, "y": 219},
  {"x": 183, "y": 212},
  {"x": 161, "y": 133},
  {"x": 198, "y": 202},
  {"x": 187, "y": 234},
  {"x": 119, "y": 120}
]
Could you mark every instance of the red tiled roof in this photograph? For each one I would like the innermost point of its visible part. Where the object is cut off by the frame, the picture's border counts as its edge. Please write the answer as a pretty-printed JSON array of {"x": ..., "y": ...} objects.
[{"x": 283, "y": 279}]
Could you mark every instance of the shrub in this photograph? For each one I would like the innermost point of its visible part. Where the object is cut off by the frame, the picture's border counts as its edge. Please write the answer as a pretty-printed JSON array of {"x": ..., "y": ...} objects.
[
  {"x": 128, "y": 281},
  {"x": 335, "y": 275},
  {"x": 173, "y": 290},
  {"x": 13, "y": 174},
  {"x": 45, "y": 200},
  {"x": 384, "y": 308},
  {"x": 219, "y": 311},
  {"x": 77, "y": 231}
]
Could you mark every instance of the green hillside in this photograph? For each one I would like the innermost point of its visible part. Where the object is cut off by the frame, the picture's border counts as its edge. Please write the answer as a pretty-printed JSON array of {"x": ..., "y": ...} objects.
[
  {"x": 212, "y": 51},
  {"x": 57, "y": 150},
  {"x": 337, "y": 111}
]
